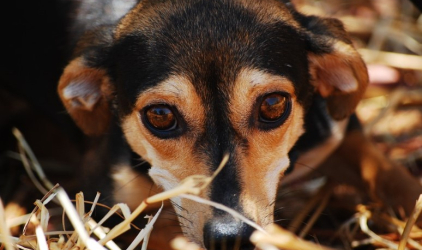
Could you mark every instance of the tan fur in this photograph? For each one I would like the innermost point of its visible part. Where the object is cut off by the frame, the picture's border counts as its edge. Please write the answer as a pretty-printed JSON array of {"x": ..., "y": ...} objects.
[
  {"x": 172, "y": 159},
  {"x": 132, "y": 188},
  {"x": 92, "y": 118},
  {"x": 266, "y": 148},
  {"x": 341, "y": 77}
]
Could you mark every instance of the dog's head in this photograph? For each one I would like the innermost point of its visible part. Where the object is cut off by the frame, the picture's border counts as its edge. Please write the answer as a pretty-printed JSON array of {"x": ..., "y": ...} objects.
[{"x": 192, "y": 80}]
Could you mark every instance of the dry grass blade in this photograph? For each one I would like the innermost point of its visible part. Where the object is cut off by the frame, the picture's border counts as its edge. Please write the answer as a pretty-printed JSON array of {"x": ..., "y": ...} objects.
[
  {"x": 44, "y": 215},
  {"x": 42, "y": 243},
  {"x": 397, "y": 60},
  {"x": 363, "y": 222},
  {"x": 181, "y": 243},
  {"x": 46, "y": 199},
  {"x": 76, "y": 221},
  {"x": 100, "y": 233},
  {"x": 35, "y": 163},
  {"x": 144, "y": 234},
  {"x": 150, "y": 222},
  {"x": 283, "y": 239},
  {"x": 232, "y": 212},
  {"x": 311, "y": 204},
  {"x": 413, "y": 217},
  {"x": 94, "y": 204},
  {"x": 5, "y": 236},
  {"x": 120, "y": 206},
  {"x": 17, "y": 221},
  {"x": 316, "y": 214}
]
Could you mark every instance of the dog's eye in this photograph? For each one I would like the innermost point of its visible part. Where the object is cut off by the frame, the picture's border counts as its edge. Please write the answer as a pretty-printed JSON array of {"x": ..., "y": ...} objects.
[
  {"x": 161, "y": 117},
  {"x": 273, "y": 108}
]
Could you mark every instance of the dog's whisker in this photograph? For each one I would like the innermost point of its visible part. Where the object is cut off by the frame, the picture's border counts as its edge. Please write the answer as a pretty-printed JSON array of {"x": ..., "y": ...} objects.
[
  {"x": 169, "y": 219},
  {"x": 179, "y": 206},
  {"x": 271, "y": 215},
  {"x": 139, "y": 164},
  {"x": 185, "y": 219},
  {"x": 272, "y": 203},
  {"x": 279, "y": 220},
  {"x": 169, "y": 211},
  {"x": 279, "y": 209},
  {"x": 286, "y": 193},
  {"x": 179, "y": 215}
]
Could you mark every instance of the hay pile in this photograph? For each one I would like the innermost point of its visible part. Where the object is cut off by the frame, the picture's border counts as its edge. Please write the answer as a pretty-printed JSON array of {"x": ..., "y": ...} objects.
[{"x": 86, "y": 233}]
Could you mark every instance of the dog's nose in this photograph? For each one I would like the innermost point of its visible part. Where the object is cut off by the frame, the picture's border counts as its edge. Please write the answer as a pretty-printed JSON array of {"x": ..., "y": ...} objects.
[{"x": 227, "y": 233}]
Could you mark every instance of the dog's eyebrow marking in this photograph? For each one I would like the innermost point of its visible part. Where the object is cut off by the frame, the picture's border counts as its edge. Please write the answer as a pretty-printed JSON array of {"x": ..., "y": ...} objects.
[
  {"x": 249, "y": 85},
  {"x": 250, "y": 78},
  {"x": 258, "y": 77},
  {"x": 177, "y": 90},
  {"x": 174, "y": 85}
]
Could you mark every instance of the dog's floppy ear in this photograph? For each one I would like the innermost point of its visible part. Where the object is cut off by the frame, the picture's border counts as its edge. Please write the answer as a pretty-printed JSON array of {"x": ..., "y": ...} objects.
[
  {"x": 85, "y": 88},
  {"x": 337, "y": 70}
]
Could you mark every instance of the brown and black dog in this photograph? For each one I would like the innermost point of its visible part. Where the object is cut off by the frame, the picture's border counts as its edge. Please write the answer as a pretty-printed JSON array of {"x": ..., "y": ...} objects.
[{"x": 182, "y": 83}]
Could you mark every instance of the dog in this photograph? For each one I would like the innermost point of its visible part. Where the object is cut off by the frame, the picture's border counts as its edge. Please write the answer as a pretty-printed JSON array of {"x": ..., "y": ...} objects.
[{"x": 181, "y": 84}]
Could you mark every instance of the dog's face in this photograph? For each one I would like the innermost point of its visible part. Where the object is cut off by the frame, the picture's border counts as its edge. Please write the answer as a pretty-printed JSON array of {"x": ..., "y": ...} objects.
[{"x": 194, "y": 80}]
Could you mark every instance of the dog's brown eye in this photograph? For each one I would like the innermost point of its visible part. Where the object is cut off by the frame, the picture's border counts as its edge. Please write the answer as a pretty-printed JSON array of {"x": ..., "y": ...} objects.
[
  {"x": 161, "y": 117},
  {"x": 273, "y": 107}
]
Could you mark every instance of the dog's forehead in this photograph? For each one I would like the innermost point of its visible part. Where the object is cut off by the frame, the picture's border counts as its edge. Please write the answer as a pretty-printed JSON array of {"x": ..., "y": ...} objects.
[
  {"x": 208, "y": 42},
  {"x": 144, "y": 15}
]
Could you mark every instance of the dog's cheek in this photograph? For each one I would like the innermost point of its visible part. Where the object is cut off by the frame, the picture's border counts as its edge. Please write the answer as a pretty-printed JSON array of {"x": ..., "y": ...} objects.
[
  {"x": 137, "y": 142},
  {"x": 263, "y": 166},
  {"x": 131, "y": 187},
  {"x": 171, "y": 163},
  {"x": 171, "y": 159},
  {"x": 273, "y": 176},
  {"x": 184, "y": 208},
  {"x": 166, "y": 154},
  {"x": 165, "y": 179}
]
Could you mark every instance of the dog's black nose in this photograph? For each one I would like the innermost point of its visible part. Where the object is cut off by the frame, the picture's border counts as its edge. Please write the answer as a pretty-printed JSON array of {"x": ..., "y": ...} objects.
[{"x": 227, "y": 233}]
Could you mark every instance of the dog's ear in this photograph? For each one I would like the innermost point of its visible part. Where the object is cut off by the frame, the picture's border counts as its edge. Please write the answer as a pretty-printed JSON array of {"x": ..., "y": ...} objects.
[
  {"x": 85, "y": 88},
  {"x": 337, "y": 70}
]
